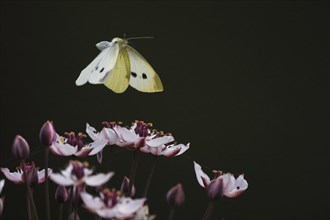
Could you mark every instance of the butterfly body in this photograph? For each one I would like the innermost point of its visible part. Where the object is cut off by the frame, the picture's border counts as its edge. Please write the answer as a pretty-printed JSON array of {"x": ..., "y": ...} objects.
[{"x": 119, "y": 65}]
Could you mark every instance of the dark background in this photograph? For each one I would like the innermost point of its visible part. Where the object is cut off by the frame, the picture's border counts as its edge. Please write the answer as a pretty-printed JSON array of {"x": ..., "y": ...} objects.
[{"x": 247, "y": 84}]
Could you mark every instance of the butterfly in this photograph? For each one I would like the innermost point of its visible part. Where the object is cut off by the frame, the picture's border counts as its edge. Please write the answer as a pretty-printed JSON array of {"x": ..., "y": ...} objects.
[{"x": 119, "y": 65}]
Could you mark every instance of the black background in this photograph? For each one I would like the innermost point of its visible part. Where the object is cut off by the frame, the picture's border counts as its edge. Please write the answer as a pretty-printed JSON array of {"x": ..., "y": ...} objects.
[{"x": 246, "y": 83}]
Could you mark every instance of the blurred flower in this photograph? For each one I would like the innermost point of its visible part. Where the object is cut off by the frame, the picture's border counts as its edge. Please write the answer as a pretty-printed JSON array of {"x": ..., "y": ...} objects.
[
  {"x": 170, "y": 150},
  {"x": 140, "y": 135},
  {"x": 20, "y": 148},
  {"x": 18, "y": 178},
  {"x": 124, "y": 187},
  {"x": 175, "y": 196},
  {"x": 107, "y": 134},
  {"x": 74, "y": 145},
  {"x": 78, "y": 174},
  {"x": 32, "y": 176},
  {"x": 112, "y": 204},
  {"x": 2, "y": 183},
  {"x": 143, "y": 214},
  {"x": 47, "y": 134},
  {"x": 74, "y": 216},
  {"x": 222, "y": 184},
  {"x": 61, "y": 194}
]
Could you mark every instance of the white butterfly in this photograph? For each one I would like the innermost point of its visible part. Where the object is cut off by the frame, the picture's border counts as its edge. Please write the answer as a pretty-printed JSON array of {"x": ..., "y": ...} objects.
[{"x": 119, "y": 65}]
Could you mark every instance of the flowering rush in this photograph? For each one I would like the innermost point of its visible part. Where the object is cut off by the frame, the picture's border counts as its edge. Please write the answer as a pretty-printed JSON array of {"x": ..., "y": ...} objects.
[
  {"x": 2, "y": 183},
  {"x": 18, "y": 176},
  {"x": 222, "y": 184},
  {"x": 112, "y": 204},
  {"x": 77, "y": 174},
  {"x": 73, "y": 144},
  {"x": 140, "y": 136}
]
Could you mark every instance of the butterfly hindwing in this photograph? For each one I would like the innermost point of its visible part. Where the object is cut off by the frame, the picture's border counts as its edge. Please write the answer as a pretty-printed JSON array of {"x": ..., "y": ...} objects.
[
  {"x": 118, "y": 80},
  {"x": 143, "y": 76}
]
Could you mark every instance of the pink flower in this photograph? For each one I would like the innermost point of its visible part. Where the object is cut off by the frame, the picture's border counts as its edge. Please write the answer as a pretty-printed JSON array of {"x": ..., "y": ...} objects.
[
  {"x": 170, "y": 150},
  {"x": 112, "y": 205},
  {"x": 74, "y": 144},
  {"x": 2, "y": 183},
  {"x": 140, "y": 135},
  {"x": 2, "y": 199},
  {"x": 222, "y": 184},
  {"x": 78, "y": 174},
  {"x": 17, "y": 177}
]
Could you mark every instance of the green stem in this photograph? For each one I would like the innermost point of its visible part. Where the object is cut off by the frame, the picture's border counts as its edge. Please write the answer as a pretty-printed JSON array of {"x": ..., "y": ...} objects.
[
  {"x": 46, "y": 183},
  {"x": 171, "y": 214},
  {"x": 60, "y": 211},
  {"x": 209, "y": 210},
  {"x": 29, "y": 192},
  {"x": 132, "y": 174},
  {"x": 146, "y": 188}
]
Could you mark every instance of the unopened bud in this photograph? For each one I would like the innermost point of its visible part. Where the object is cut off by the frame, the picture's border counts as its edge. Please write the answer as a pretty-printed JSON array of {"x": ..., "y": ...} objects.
[
  {"x": 47, "y": 134},
  {"x": 61, "y": 194},
  {"x": 175, "y": 196},
  {"x": 124, "y": 187},
  {"x": 21, "y": 149},
  {"x": 32, "y": 176},
  {"x": 215, "y": 189}
]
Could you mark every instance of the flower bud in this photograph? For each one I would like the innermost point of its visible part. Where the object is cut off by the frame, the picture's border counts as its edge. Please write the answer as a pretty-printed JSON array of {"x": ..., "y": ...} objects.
[
  {"x": 124, "y": 187},
  {"x": 215, "y": 189},
  {"x": 32, "y": 176},
  {"x": 61, "y": 194},
  {"x": 47, "y": 134},
  {"x": 21, "y": 149},
  {"x": 175, "y": 196}
]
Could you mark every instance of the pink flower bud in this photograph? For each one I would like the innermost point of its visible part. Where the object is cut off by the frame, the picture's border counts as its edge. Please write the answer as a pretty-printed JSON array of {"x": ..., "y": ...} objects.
[
  {"x": 175, "y": 196},
  {"x": 32, "y": 176},
  {"x": 124, "y": 187},
  {"x": 215, "y": 189},
  {"x": 21, "y": 149},
  {"x": 47, "y": 134},
  {"x": 73, "y": 217},
  {"x": 61, "y": 194}
]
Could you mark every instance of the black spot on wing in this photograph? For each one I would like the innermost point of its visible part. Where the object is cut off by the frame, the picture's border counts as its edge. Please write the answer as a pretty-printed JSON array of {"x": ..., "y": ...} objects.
[
  {"x": 144, "y": 76},
  {"x": 134, "y": 74},
  {"x": 106, "y": 75},
  {"x": 101, "y": 70}
]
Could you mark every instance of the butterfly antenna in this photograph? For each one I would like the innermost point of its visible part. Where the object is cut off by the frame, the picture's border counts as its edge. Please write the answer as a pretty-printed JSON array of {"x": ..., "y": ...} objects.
[{"x": 148, "y": 37}]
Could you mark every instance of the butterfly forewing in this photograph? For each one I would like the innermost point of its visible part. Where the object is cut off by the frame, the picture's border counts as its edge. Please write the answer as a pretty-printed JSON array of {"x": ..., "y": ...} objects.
[
  {"x": 143, "y": 76},
  {"x": 118, "y": 79}
]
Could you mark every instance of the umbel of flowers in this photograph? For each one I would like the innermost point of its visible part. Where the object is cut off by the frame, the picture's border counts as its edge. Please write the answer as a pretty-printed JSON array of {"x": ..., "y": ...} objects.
[{"x": 79, "y": 184}]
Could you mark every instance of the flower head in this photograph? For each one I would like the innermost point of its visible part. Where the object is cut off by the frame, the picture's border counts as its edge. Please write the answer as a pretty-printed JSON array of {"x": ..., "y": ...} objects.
[
  {"x": 21, "y": 149},
  {"x": 112, "y": 204},
  {"x": 18, "y": 176},
  {"x": 175, "y": 196},
  {"x": 222, "y": 184},
  {"x": 78, "y": 174},
  {"x": 74, "y": 144},
  {"x": 47, "y": 134},
  {"x": 61, "y": 194}
]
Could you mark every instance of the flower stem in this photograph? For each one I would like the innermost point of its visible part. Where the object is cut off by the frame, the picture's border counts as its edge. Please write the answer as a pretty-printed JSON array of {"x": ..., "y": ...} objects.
[
  {"x": 46, "y": 183},
  {"x": 132, "y": 174},
  {"x": 29, "y": 192},
  {"x": 28, "y": 206},
  {"x": 146, "y": 188},
  {"x": 171, "y": 214},
  {"x": 60, "y": 211},
  {"x": 76, "y": 199},
  {"x": 209, "y": 210}
]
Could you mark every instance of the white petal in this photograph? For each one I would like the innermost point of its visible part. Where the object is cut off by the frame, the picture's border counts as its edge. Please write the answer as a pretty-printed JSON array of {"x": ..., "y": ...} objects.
[
  {"x": 98, "y": 146},
  {"x": 14, "y": 177},
  {"x": 98, "y": 179},
  {"x": 61, "y": 180},
  {"x": 111, "y": 135},
  {"x": 41, "y": 175},
  {"x": 157, "y": 142},
  {"x": 91, "y": 203},
  {"x": 2, "y": 183},
  {"x": 99, "y": 156},
  {"x": 67, "y": 172},
  {"x": 240, "y": 186},
  {"x": 183, "y": 149},
  {"x": 107, "y": 213},
  {"x": 202, "y": 177},
  {"x": 127, "y": 135},
  {"x": 228, "y": 182},
  {"x": 63, "y": 149},
  {"x": 130, "y": 206},
  {"x": 91, "y": 131},
  {"x": 83, "y": 152}
]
